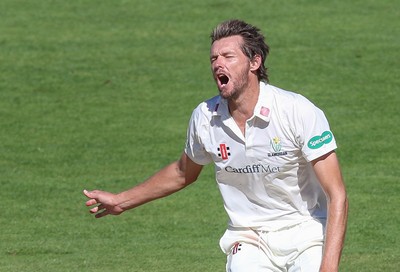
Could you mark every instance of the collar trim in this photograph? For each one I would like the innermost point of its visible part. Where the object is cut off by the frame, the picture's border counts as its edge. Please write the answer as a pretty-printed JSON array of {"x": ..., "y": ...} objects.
[{"x": 262, "y": 109}]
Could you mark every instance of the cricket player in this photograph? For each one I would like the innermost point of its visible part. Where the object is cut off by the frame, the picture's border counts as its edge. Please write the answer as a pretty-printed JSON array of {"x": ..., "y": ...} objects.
[{"x": 275, "y": 165}]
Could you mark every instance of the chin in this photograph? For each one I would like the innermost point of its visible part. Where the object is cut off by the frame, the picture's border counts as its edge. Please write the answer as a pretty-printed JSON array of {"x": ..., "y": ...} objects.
[{"x": 225, "y": 94}]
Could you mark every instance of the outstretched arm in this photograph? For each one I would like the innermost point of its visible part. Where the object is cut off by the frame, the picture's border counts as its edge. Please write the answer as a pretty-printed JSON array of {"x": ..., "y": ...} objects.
[
  {"x": 329, "y": 174},
  {"x": 168, "y": 180}
]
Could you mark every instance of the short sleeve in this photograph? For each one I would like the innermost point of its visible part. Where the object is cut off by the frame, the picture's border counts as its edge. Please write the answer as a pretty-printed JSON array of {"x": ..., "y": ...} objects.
[
  {"x": 312, "y": 129},
  {"x": 194, "y": 144}
]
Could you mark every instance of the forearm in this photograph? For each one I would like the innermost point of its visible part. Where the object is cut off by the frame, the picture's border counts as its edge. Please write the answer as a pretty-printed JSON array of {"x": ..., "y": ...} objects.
[
  {"x": 168, "y": 180},
  {"x": 335, "y": 233},
  {"x": 328, "y": 172},
  {"x": 165, "y": 182}
]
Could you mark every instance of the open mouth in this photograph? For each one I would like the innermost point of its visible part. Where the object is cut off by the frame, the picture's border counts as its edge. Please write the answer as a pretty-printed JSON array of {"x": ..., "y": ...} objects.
[{"x": 223, "y": 79}]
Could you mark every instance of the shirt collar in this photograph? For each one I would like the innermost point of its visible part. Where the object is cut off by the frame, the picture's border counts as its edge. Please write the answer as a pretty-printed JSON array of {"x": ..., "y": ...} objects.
[
  {"x": 221, "y": 107},
  {"x": 263, "y": 107},
  {"x": 262, "y": 110}
]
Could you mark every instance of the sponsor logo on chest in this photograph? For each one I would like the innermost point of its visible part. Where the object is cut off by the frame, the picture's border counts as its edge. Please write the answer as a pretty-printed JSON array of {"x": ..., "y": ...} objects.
[
  {"x": 254, "y": 168},
  {"x": 223, "y": 151}
]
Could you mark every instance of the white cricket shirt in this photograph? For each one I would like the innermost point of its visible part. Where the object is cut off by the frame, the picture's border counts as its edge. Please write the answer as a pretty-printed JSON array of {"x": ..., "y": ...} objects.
[{"x": 265, "y": 176}]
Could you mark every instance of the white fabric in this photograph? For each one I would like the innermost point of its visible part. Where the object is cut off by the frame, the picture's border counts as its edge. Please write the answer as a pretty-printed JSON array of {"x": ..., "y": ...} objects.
[
  {"x": 296, "y": 248},
  {"x": 265, "y": 176}
]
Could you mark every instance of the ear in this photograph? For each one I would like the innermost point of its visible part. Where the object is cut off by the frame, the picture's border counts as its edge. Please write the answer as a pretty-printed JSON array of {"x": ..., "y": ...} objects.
[{"x": 255, "y": 63}]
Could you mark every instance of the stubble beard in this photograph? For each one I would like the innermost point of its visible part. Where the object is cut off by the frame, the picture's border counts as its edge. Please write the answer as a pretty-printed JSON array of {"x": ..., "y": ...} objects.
[{"x": 238, "y": 88}]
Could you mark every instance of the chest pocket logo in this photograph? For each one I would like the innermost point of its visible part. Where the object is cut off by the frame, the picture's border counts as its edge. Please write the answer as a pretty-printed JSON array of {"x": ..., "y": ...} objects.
[
  {"x": 276, "y": 144},
  {"x": 277, "y": 147},
  {"x": 223, "y": 151}
]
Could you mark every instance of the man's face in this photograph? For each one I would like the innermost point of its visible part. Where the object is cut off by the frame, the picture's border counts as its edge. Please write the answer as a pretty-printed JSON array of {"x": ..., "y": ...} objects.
[{"x": 230, "y": 66}]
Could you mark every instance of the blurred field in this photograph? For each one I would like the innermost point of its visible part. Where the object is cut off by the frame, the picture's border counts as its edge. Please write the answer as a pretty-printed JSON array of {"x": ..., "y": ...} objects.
[{"x": 97, "y": 94}]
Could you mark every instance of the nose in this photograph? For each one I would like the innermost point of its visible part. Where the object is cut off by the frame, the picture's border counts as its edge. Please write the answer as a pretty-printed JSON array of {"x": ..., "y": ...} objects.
[{"x": 217, "y": 64}]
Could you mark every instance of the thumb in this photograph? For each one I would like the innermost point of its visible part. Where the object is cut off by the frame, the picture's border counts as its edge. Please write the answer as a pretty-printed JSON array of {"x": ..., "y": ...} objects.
[
  {"x": 87, "y": 193},
  {"x": 92, "y": 198}
]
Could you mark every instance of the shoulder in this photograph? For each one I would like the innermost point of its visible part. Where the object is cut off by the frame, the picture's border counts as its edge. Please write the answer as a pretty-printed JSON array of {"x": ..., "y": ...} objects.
[
  {"x": 295, "y": 111},
  {"x": 290, "y": 103},
  {"x": 289, "y": 97},
  {"x": 206, "y": 108}
]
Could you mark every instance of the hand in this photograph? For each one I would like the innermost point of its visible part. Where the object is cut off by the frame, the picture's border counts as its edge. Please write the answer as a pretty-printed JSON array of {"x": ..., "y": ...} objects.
[{"x": 105, "y": 203}]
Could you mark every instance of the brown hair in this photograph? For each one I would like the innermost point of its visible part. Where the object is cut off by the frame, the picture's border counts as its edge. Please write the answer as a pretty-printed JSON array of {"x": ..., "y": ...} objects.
[{"x": 253, "y": 41}]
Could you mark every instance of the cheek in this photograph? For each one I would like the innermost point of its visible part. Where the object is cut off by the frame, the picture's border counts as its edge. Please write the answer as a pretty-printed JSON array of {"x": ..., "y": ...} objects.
[{"x": 242, "y": 69}]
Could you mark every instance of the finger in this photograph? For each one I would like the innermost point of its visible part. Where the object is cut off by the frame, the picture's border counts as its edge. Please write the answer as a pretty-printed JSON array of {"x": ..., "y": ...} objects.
[
  {"x": 87, "y": 193},
  {"x": 91, "y": 202},
  {"x": 91, "y": 194},
  {"x": 98, "y": 209},
  {"x": 94, "y": 210},
  {"x": 102, "y": 213}
]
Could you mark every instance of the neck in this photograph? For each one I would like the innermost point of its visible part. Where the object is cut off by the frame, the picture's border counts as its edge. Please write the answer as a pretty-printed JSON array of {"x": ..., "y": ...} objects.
[{"x": 242, "y": 108}]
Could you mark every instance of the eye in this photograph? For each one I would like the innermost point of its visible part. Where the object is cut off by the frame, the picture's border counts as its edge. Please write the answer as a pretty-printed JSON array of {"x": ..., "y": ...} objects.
[{"x": 230, "y": 57}]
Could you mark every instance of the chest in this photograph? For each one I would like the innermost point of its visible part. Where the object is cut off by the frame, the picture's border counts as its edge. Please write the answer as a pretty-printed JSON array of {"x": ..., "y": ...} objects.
[{"x": 265, "y": 143}]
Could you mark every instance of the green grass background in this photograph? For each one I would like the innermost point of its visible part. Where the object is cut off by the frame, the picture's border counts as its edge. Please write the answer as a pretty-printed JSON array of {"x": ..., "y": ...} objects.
[{"x": 97, "y": 94}]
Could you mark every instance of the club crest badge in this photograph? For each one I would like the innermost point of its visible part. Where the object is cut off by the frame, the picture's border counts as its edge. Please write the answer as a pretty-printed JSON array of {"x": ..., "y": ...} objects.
[
  {"x": 277, "y": 147},
  {"x": 276, "y": 144}
]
